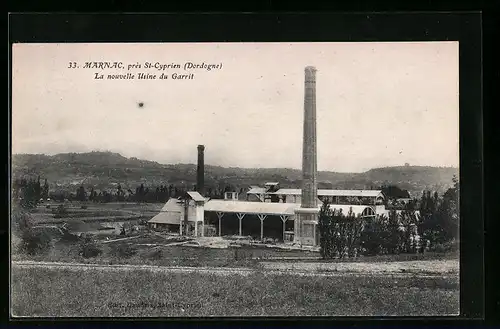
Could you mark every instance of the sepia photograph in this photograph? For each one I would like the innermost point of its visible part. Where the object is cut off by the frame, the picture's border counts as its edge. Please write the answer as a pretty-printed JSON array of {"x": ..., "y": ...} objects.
[{"x": 235, "y": 179}]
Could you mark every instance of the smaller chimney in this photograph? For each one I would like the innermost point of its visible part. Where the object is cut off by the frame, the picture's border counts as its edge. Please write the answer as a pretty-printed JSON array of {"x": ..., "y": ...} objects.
[{"x": 200, "y": 173}]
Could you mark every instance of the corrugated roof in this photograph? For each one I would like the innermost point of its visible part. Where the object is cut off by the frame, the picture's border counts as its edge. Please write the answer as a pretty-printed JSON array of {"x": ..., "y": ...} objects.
[
  {"x": 196, "y": 196},
  {"x": 167, "y": 217},
  {"x": 173, "y": 205},
  {"x": 360, "y": 193},
  {"x": 288, "y": 191},
  {"x": 272, "y": 183},
  {"x": 246, "y": 207},
  {"x": 257, "y": 190},
  {"x": 354, "y": 193},
  {"x": 176, "y": 207}
]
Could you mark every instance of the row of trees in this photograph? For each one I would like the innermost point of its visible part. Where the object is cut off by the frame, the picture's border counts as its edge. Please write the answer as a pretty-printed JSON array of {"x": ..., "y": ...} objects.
[
  {"x": 28, "y": 193},
  {"x": 434, "y": 222},
  {"x": 346, "y": 235},
  {"x": 141, "y": 194}
]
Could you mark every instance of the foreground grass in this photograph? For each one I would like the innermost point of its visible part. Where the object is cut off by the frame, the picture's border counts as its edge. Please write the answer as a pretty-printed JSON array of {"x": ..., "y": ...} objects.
[{"x": 141, "y": 293}]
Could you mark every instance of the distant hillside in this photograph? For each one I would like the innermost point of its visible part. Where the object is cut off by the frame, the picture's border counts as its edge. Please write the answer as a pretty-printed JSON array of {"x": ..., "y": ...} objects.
[{"x": 106, "y": 169}]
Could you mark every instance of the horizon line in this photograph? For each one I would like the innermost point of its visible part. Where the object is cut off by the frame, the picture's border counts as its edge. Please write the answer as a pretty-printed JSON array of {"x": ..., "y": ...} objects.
[{"x": 237, "y": 167}]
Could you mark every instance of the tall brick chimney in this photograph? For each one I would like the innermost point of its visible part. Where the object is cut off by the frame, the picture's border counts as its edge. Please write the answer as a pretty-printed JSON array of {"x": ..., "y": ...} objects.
[
  {"x": 200, "y": 172},
  {"x": 306, "y": 217},
  {"x": 309, "y": 149}
]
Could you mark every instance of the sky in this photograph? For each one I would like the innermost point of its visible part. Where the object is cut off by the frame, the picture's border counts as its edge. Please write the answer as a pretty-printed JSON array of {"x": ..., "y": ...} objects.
[{"x": 378, "y": 104}]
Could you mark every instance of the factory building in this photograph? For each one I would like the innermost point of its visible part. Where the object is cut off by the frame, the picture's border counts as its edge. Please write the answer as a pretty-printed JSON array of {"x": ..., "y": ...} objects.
[
  {"x": 289, "y": 215},
  {"x": 179, "y": 215},
  {"x": 288, "y": 195}
]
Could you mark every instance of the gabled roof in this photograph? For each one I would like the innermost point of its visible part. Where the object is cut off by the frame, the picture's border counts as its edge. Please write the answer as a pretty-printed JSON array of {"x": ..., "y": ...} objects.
[
  {"x": 173, "y": 204},
  {"x": 272, "y": 183},
  {"x": 288, "y": 191},
  {"x": 167, "y": 217},
  {"x": 195, "y": 196},
  {"x": 256, "y": 190}
]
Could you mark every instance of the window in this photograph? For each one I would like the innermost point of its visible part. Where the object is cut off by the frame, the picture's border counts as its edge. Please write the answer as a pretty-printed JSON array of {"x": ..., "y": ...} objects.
[
  {"x": 231, "y": 195},
  {"x": 368, "y": 212}
]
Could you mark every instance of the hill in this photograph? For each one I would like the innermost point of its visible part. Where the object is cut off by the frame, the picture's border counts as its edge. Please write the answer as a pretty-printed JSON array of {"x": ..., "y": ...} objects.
[{"x": 105, "y": 170}]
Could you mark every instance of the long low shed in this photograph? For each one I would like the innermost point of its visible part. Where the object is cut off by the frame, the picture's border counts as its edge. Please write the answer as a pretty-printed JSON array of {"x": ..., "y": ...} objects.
[{"x": 264, "y": 208}]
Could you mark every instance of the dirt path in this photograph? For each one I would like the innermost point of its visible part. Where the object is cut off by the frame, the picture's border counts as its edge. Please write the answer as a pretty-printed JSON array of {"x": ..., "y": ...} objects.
[
  {"x": 268, "y": 270},
  {"x": 122, "y": 239},
  {"x": 423, "y": 266}
]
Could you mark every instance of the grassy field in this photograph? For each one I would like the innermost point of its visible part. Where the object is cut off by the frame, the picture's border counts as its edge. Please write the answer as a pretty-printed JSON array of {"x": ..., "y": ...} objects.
[
  {"x": 89, "y": 211},
  {"x": 139, "y": 293},
  {"x": 138, "y": 251}
]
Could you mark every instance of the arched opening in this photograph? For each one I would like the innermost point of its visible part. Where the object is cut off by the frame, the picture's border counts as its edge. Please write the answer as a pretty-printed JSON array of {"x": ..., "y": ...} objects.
[{"x": 368, "y": 212}]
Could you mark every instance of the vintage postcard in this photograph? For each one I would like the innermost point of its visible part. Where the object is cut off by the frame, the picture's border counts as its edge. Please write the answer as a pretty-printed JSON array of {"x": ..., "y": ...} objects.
[{"x": 235, "y": 179}]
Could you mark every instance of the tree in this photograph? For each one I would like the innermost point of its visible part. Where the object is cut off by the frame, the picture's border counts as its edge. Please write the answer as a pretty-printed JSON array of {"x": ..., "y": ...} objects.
[
  {"x": 429, "y": 225},
  {"x": 27, "y": 192},
  {"x": 440, "y": 216},
  {"x": 409, "y": 222},
  {"x": 45, "y": 189},
  {"x": 393, "y": 192},
  {"x": 119, "y": 193},
  {"x": 35, "y": 241},
  {"x": 38, "y": 189},
  {"x": 80, "y": 194},
  {"x": 340, "y": 234},
  {"x": 374, "y": 235},
  {"x": 451, "y": 211},
  {"x": 354, "y": 227},
  {"x": 326, "y": 243},
  {"x": 394, "y": 237},
  {"x": 20, "y": 218}
]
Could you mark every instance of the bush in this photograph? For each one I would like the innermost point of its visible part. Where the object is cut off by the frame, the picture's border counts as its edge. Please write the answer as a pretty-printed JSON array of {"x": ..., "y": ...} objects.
[
  {"x": 35, "y": 242},
  {"x": 450, "y": 246},
  {"x": 60, "y": 211},
  {"x": 156, "y": 254},
  {"x": 371, "y": 242},
  {"x": 21, "y": 219},
  {"x": 89, "y": 248},
  {"x": 69, "y": 237},
  {"x": 241, "y": 254},
  {"x": 340, "y": 234},
  {"x": 123, "y": 251},
  {"x": 382, "y": 235}
]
